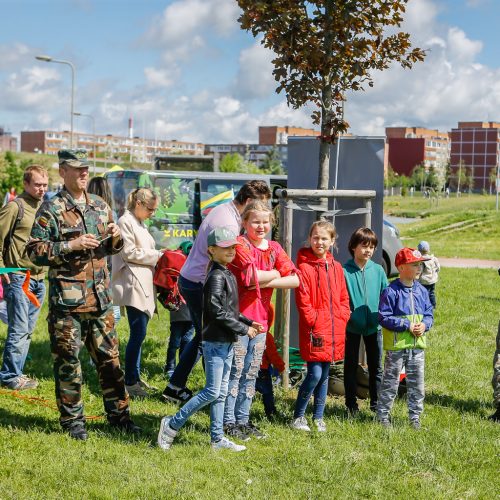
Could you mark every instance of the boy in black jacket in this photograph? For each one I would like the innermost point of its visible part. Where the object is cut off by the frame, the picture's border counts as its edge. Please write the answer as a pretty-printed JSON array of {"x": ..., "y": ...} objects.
[{"x": 222, "y": 321}]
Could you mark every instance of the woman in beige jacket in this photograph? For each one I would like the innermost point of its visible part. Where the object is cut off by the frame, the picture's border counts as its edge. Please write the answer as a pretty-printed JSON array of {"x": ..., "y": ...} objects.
[{"x": 132, "y": 280}]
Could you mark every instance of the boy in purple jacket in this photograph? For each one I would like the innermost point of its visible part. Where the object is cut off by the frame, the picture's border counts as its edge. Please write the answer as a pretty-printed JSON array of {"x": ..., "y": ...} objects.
[{"x": 405, "y": 314}]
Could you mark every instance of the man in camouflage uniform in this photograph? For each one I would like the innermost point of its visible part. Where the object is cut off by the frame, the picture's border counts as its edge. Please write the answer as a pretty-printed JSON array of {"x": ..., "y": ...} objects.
[
  {"x": 72, "y": 234},
  {"x": 496, "y": 380}
]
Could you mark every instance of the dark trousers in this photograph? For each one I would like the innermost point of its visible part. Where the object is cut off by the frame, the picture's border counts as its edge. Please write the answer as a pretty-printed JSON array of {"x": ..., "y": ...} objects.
[
  {"x": 432, "y": 293},
  {"x": 138, "y": 324},
  {"x": 193, "y": 295},
  {"x": 374, "y": 358},
  {"x": 181, "y": 333},
  {"x": 264, "y": 385}
]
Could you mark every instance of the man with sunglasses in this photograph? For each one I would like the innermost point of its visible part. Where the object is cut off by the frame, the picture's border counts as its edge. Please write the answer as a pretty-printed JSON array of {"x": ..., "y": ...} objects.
[{"x": 70, "y": 236}]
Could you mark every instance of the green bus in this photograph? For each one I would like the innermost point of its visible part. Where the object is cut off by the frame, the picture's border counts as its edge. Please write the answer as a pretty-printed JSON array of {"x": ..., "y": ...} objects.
[{"x": 185, "y": 198}]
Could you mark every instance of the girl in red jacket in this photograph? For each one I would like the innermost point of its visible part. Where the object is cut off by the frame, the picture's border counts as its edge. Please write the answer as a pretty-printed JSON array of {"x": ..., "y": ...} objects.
[{"x": 323, "y": 305}]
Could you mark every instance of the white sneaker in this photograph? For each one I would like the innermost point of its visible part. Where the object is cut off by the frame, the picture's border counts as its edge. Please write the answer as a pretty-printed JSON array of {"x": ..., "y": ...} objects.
[
  {"x": 166, "y": 435},
  {"x": 226, "y": 444},
  {"x": 146, "y": 386},
  {"x": 136, "y": 391},
  {"x": 300, "y": 424},
  {"x": 320, "y": 425}
]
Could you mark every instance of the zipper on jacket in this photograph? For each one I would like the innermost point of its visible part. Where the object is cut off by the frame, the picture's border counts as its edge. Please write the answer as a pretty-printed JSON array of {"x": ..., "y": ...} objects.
[
  {"x": 366, "y": 298},
  {"x": 412, "y": 302},
  {"x": 331, "y": 309}
]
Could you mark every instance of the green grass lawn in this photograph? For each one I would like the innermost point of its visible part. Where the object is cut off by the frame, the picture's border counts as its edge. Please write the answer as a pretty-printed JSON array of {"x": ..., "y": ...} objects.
[
  {"x": 464, "y": 227},
  {"x": 454, "y": 456}
]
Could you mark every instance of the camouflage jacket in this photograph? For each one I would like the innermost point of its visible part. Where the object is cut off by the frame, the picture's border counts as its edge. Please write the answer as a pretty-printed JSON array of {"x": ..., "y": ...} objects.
[{"x": 78, "y": 280}]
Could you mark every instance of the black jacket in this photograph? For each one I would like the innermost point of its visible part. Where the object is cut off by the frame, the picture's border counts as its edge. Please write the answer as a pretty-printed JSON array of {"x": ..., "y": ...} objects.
[{"x": 222, "y": 320}]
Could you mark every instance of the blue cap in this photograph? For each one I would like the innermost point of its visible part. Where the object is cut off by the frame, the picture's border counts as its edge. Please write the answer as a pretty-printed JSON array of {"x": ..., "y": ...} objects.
[{"x": 424, "y": 247}]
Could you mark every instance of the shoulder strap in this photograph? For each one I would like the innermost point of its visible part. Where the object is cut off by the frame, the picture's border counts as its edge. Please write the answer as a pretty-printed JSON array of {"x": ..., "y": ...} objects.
[{"x": 19, "y": 218}]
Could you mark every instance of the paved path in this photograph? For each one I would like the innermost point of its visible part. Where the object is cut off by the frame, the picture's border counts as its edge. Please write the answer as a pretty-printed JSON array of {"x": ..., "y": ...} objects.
[{"x": 482, "y": 264}]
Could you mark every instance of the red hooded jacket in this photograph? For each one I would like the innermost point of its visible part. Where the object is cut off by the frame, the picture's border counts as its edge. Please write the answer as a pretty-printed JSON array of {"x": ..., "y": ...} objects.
[{"x": 323, "y": 303}]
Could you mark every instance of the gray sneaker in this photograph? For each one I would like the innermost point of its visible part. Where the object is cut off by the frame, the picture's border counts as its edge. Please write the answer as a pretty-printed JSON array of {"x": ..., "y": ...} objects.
[
  {"x": 166, "y": 435},
  {"x": 136, "y": 391},
  {"x": 226, "y": 444},
  {"x": 23, "y": 383},
  {"x": 415, "y": 423},
  {"x": 385, "y": 423},
  {"x": 320, "y": 425},
  {"x": 300, "y": 424}
]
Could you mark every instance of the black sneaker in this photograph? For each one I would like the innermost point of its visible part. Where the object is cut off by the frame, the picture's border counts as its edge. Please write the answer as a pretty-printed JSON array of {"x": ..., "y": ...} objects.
[
  {"x": 76, "y": 430},
  {"x": 126, "y": 426},
  {"x": 352, "y": 411},
  {"x": 495, "y": 417},
  {"x": 236, "y": 432},
  {"x": 252, "y": 430},
  {"x": 180, "y": 396}
]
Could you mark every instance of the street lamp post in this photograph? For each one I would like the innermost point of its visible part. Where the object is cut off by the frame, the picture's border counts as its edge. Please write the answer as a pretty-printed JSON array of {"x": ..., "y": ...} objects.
[
  {"x": 70, "y": 64},
  {"x": 93, "y": 133}
]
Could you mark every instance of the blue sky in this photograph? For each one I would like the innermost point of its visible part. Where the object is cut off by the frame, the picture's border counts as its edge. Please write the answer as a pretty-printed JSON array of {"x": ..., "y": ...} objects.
[{"x": 184, "y": 70}]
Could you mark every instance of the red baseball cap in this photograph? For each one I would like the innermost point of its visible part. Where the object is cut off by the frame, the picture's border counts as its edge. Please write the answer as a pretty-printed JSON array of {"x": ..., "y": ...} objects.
[{"x": 408, "y": 256}]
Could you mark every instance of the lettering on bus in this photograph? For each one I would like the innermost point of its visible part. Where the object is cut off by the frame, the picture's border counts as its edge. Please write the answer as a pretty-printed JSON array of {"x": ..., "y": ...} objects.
[{"x": 180, "y": 233}]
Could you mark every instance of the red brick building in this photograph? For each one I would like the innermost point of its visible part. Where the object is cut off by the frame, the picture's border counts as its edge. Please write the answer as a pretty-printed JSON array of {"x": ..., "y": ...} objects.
[
  {"x": 475, "y": 148},
  {"x": 279, "y": 135},
  {"x": 7, "y": 141},
  {"x": 410, "y": 147}
]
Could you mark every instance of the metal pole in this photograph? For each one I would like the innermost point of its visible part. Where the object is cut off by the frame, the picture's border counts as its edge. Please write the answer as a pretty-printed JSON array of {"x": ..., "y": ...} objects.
[
  {"x": 287, "y": 237},
  {"x": 70, "y": 64},
  {"x": 93, "y": 134}
]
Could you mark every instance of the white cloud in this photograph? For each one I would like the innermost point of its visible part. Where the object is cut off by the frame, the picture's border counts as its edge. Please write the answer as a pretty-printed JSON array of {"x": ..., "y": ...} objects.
[
  {"x": 160, "y": 78},
  {"x": 254, "y": 78},
  {"x": 183, "y": 28},
  {"x": 226, "y": 106}
]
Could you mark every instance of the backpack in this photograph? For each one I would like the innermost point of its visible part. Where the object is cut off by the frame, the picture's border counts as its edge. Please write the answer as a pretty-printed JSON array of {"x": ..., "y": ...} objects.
[
  {"x": 166, "y": 277},
  {"x": 19, "y": 218}
]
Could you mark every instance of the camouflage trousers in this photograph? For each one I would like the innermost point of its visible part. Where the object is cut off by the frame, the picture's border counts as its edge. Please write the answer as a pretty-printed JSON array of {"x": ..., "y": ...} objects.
[
  {"x": 413, "y": 361},
  {"x": 496, "y": 372},
  {"x": 68, "y": 333}
]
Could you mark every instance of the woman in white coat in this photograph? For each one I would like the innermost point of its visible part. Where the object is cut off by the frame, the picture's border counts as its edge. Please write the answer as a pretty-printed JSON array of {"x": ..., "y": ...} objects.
[{"x": 132, "y": 280}]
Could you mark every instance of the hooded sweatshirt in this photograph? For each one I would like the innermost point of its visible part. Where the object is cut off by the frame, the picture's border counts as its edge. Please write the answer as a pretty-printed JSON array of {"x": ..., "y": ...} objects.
[
  {"x": 323, "y": 304},
  {"x": 364, "y": 286}
]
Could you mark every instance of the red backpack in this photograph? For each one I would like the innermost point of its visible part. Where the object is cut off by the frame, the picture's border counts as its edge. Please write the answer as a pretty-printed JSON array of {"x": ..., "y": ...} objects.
[{"x": 166, "y": 279}]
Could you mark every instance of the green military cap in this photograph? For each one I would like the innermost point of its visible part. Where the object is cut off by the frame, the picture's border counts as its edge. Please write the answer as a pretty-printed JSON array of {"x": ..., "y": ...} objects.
[
  {"x": 222, "y": 237},
  {"x": 76, "y": 158}
]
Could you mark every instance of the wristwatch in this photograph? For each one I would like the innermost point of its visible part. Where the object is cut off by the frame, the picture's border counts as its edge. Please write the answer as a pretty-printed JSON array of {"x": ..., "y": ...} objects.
[{"x": 65, "y": 248}]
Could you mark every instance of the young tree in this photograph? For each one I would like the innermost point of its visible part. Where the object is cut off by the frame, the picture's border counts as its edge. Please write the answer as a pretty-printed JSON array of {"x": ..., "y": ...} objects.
[
  {"x": 272, "y": 162},
  {"x": 493, "y": 179},
  {"x": 326, "y": 48},
  {"x": 11, "y": 173}
]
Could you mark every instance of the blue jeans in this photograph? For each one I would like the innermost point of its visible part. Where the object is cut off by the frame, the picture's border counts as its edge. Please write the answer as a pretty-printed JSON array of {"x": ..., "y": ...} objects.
[
  {"x": 247, "y": 360},
  {"x": 138, "y": 324},
  {"x": 193, "y": 295},
  {"x": 218, "y": 360},
  {"x": 22, "y": 316},
  {"x": 264, "y": 385},
  {"x": 181, "y": 333},
  {"x": 316, "y": 382}
]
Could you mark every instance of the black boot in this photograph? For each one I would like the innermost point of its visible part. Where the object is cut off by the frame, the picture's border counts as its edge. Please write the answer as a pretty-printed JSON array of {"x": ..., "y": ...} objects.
[
  {"x": 495, "y": 417},
  {"x": 76, "y": 430}
]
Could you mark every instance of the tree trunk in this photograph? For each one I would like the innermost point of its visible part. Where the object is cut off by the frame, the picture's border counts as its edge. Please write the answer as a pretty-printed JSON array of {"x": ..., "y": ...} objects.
[{"x": 326, "y": 112}]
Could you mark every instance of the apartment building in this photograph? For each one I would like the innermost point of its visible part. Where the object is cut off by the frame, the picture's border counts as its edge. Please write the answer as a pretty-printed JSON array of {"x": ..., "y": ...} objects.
[
  {"x": 272, "y": 135},
  {"x": 107, "y": 146},
  {"x": 475, "y": 147},
  {"x": 413, "y": 146},
  {"x": 255, "y": 153},
  {"x": 7, "y": 141}
]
